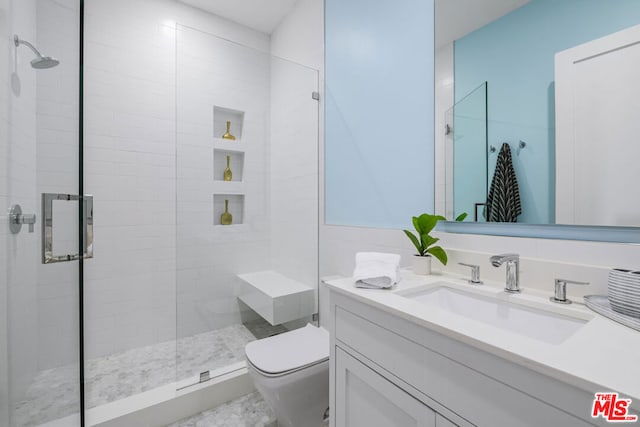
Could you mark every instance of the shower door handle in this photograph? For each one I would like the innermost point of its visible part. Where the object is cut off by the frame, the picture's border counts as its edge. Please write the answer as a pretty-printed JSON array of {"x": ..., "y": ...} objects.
[{"x": 48, "y": 257}]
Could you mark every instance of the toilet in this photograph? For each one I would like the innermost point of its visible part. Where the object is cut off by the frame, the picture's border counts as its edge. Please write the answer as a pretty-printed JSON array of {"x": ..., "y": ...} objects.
[{"x": 291, "y": 372}]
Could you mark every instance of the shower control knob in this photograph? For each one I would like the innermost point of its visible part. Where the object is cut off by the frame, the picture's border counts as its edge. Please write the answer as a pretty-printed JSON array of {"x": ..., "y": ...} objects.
[
  {"x": 30, "y": 220},
  {"x": 17, "y": 218}
]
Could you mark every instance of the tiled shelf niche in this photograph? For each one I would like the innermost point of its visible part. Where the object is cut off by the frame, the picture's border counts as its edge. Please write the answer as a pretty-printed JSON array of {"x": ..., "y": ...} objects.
[
  {"x": 236, "y": 208},
  {"x": 228, "y": 190},
  {"x": 220, "y": 164},
  {"x": 220, "y": 117}
]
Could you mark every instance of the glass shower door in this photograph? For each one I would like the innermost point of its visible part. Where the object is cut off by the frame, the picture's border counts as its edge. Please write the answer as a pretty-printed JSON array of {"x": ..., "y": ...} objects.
[
  {"x": 40, "y": 361},
  {"x": 470, "y": 153},
  {"x": 247, "y": 200}
]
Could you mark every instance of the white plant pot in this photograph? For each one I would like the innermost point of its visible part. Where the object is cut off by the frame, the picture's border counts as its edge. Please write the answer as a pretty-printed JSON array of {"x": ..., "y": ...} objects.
[{"x": 422, "y": 265}]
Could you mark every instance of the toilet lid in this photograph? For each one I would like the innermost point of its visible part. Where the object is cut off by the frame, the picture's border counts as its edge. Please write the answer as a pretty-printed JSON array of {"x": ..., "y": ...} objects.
[{"x": 290, "y": 350}]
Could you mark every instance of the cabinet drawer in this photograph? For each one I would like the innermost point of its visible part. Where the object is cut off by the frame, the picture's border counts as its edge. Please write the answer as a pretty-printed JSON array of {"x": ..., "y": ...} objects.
[
  {"x": 472, "y": 395},
  {"x": 366, "y": 399}
]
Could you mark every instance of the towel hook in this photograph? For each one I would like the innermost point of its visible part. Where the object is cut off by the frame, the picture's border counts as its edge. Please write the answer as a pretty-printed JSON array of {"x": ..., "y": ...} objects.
[{"x": 521, "y": 144}]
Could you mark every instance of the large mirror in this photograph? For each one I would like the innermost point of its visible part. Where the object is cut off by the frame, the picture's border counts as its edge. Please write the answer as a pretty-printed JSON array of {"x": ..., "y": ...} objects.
[{"x": 543, "y": 125}]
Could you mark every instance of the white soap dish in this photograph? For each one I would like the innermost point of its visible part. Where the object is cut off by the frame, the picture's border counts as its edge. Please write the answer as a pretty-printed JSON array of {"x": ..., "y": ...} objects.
[{"x": 600, "y": 304}]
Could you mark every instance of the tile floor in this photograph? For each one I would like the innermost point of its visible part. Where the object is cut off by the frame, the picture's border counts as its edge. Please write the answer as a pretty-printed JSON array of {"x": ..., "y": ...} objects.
[
  {"x": 248, "y": 411},
  {"x": 54, "y": 392}
]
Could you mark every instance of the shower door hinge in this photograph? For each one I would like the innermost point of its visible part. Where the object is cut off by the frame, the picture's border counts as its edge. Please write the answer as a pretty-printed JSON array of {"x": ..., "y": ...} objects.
[{"x": 315, "y": 95}]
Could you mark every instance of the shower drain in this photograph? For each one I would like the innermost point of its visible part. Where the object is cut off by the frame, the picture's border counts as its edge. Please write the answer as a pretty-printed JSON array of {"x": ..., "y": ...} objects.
[{"x": 204, "y": 376}]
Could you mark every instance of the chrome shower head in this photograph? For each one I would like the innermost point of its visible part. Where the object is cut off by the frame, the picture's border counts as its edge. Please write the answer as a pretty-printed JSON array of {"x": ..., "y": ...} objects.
[
  {"x": 44, "y": 62},
  {"x": 40, "y": 62}
]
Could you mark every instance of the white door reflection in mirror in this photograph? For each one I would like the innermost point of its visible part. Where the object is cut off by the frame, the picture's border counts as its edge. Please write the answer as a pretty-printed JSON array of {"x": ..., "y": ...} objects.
[{"x": 597, "y": 131}]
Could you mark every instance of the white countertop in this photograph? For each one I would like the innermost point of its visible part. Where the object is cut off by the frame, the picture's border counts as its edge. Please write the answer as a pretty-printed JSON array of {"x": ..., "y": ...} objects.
[{"x": 602, "y": 353}]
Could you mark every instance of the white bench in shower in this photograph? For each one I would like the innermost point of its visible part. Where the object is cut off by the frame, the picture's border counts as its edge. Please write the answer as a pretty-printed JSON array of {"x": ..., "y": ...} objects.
[{"x": 275, "y": 297}]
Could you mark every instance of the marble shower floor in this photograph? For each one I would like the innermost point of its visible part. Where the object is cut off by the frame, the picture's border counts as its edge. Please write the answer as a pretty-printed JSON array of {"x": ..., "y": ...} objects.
[{"x": 54, "y": 392}]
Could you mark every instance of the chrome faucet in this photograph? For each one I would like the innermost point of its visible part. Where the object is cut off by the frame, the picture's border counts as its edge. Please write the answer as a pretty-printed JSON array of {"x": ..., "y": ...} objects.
[
  {"x": 560, "y": 295},
  {"x": 475, "y": 273},
  {"x": 513, "y": 270}
]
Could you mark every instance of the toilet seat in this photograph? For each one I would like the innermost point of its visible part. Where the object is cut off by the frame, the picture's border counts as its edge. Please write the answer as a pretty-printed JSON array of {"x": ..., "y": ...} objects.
[{"x": 289, "y": 352}]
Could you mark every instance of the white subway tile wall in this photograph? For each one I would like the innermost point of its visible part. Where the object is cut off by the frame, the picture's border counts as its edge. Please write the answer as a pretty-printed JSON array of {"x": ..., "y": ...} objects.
[
  {"x": 18, "y": 186},
  {"x": 151, "y": 84},
  {"x": 443, "y": 102},
  {"x": 57, "y": 172},
  {"x": 294, "y": 172},
  {"x": 130, "y": 171},
  {"x": 215, "y": 74},
  {"x": 296, "y": 143},
  {"x": 5, "y": 122},
  {"x": 130, "y": 167}
]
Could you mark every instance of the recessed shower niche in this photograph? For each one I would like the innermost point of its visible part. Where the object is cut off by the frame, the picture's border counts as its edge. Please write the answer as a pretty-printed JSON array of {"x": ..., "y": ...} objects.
[
  {"x": 232, "y": 204},
  {"x": 227, "y": 123},
  {"x": 228, "y": 165}
]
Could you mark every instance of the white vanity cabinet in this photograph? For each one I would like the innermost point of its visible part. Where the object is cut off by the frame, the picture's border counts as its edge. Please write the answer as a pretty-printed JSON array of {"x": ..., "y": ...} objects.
[
  {"x": 364, "y": 398},
  {"x": 388, "y": 371}
]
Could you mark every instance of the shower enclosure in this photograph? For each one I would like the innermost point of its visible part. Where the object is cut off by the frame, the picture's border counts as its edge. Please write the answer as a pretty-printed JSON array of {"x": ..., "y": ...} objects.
[
  {"x": 466, "y": 155},
  {"x": 266, "y": 103},
  {"x": 119, "y": 277}
]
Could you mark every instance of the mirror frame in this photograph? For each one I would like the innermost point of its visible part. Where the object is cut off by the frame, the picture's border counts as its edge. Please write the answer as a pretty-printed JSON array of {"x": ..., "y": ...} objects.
[{"x": 545, "y": 231}]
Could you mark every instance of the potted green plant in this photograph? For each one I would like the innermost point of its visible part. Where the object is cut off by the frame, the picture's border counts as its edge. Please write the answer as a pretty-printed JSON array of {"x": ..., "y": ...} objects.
[{"x": 425, "y": 243}]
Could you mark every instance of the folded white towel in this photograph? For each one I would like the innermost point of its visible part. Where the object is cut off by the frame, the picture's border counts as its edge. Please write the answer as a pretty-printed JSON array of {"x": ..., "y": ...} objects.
[{"x": 376, "y": 270}]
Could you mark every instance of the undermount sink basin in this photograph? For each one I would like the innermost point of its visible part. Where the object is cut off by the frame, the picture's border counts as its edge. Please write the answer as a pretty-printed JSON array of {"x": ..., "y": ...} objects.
[{"x": 537, "y": 324}]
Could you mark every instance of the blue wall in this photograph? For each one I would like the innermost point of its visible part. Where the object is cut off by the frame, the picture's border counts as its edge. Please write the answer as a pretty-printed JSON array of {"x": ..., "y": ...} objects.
[
  {"x": 515, "y": 55},
  {"x": 379, "y": 109}
]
